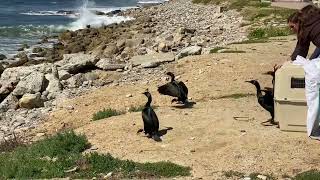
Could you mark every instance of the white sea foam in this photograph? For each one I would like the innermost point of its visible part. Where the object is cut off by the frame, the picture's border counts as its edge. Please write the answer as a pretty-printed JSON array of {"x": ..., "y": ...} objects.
[
  {"x": 87, "y": 17},
  {"x": 70, "y": 14}
]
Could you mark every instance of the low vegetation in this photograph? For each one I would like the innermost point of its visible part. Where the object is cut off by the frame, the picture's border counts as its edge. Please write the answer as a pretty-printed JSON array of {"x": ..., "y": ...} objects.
[
  {"x": 232, "y": 174},
  {"x": 233, "y": 51},
  {"x": 62, "y": 156},
  {"x": 235, "y": 96},
  {"x": 260, "y": 16},
  {"x": 308, "y": 175},
  {"x": 263, "y": 33},
  {"x": 7, "y": 145},
  {"x": 217, "y": 49},
  {"x": 106, "y": 113}
]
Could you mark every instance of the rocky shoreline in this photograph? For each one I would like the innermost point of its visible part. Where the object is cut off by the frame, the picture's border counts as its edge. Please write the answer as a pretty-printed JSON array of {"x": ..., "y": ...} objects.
[{"x": 136, "y": 51}]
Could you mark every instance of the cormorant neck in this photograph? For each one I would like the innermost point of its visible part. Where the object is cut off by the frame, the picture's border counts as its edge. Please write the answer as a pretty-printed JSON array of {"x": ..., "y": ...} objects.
[
  {"x": 258, "y": 88},
  {"x": 149, "y": 101},
  {"x": 172, "y": 78}
]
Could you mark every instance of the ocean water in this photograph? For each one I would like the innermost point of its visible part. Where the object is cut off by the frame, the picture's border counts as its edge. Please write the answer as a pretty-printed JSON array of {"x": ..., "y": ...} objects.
[{"x": 26, "y": 21}]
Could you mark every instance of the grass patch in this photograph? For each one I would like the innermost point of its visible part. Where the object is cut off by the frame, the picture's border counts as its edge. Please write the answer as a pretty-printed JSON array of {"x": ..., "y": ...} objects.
[
  {"x": 11, "y": 144},
  {"x": 233, "y": 51},
  {"x": 234, "y": 96},
  {"x": 263, "y": 33},
  {"x": 252, "y": 41},
  {"x": 61, "y": 156},
  {"x": 139, "y": 108},
  {"x": 308, "y": 175},
  {"x": 231, "y": 173},
  {"x": 216, "y": 49},
  {"x": 106, "y": 113}
]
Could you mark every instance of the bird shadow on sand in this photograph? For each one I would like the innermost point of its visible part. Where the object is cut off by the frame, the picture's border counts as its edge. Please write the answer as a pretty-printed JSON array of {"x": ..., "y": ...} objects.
[
  {"x": 270, "y": 123},
  {"x": 163, "y": 132},
  {"x": 187, "y": 105}
]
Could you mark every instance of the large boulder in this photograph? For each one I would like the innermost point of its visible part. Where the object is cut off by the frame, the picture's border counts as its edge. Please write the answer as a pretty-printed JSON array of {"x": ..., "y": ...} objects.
[
  {"x": 11, "y": 76},
  {"x": 33, "y": 83},
  {"x": 75, "y": 81},
  {"x": 156, "y": 58},
  {"x": 74, "y": 63},
  {"x": 64, "y": 75},
  {"x": 54, "y": 84},
  {"x": 107, "y": 65},
  {"x": 10, "y": 102},
  {"x": 188, "y": 51},
  {"x": 30, "y": 101}
]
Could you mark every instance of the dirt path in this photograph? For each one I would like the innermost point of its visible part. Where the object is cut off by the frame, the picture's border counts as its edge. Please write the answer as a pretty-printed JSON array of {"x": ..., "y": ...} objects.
[{"x": 205, "y": 137}]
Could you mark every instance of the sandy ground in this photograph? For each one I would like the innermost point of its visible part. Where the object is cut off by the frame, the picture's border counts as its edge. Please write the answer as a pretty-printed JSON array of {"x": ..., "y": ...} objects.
[{"x": 205, "y": 137}]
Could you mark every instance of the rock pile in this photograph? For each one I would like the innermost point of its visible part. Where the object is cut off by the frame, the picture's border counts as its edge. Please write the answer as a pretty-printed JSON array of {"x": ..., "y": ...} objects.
[{"x": 31, "y": 83}]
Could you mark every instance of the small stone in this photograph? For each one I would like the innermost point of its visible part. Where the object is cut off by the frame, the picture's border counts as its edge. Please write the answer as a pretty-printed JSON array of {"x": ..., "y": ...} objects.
[
  {"x": 192, "y": 138},
  {"x": 243, "y": 131},
  {"x": 72, "y": 170},
  {"x": 109, "y": 175},
  {"x": 262, "y": 177},
  {"x": 94, "y": 148},
  {"x": 70, "y": 108},
  {"x": 119, "y": 70},
  {"x": 40, "y": 134},
  {"x": 193, "y": 150},
  {"x": 246, "y": 178},
  {"x": 129, "y": 95}
]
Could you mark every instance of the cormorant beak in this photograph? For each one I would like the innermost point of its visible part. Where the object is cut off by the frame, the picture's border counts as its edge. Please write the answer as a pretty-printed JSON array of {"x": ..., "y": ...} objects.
[{"x": 248, "y": 81}]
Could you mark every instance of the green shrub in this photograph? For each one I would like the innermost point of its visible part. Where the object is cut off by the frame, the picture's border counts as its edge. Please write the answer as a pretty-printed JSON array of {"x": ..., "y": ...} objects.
[
  {"x": 61, "y": 156},
  {"x": 106, "y": 113}
]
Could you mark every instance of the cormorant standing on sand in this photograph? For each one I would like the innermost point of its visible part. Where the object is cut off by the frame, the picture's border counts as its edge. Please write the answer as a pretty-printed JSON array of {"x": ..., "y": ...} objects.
[
  {"x": 150, "y": 120},
  {"x": 266, "y": 100},
  {"x": 175, "y": 89}
]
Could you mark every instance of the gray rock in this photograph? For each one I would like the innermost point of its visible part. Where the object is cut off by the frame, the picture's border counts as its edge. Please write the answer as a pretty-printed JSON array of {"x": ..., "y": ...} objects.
[
  {"x": 73, "y": 63},
  {"x": 64, "y": 75},
  {"x": 30, "y": 101},
  {"x": 2, "y": 57},
  {"x": 106, "y": 65},
  {"x": 33, "y": 83},
  {"x": 150, "y": 64},
  {"x": 54, "y": 83},
  {"x": 192, "y": 50},
  {"x": 75, "y": 81},
  {"x": 10, "y": 102},
  {"x": 121, "y": 43},
  {"x": 152, "y": 58}
]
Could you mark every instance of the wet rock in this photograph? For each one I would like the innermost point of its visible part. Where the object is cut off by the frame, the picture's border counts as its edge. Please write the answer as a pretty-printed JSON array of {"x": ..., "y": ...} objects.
[{"x": 2, "y": 57}]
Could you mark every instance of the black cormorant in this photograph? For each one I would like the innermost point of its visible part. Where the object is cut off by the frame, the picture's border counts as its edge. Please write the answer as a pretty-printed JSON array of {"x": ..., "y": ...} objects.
[
  {"x": 150, "y": 120},
  {"x": 175, "y": 89},
  {"x": 266, "y": 100}
]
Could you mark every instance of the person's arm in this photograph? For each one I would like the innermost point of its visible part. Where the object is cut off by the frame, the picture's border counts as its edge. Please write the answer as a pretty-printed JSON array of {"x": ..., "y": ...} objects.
[
  {"x": 301, "y": 50},
  {"x": 315, "y": 54}
]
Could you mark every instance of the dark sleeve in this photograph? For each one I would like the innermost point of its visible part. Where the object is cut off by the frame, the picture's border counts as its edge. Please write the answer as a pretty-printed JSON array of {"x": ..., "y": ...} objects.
[
  {"x": 315, "y": 54},
  {"x": 301, "y": 49}
]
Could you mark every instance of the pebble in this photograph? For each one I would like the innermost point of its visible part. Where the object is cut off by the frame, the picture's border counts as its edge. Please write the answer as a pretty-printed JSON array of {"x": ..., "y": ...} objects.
[
  {"x": 262, "y": 177},
  {"x": 128, "y": 95},
  {"x": 70, "y": 108},
  {"x": 109, "y": 175}
]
